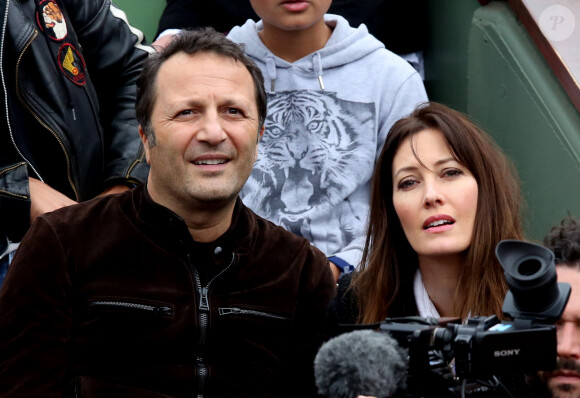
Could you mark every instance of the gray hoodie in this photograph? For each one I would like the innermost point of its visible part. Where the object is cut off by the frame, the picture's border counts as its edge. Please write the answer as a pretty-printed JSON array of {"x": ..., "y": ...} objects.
[{"x": 328, "y": 117}]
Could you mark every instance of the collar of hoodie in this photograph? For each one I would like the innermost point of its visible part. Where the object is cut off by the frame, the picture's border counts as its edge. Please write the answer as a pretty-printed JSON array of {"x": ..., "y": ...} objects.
[{"x": 271, "y": 71}]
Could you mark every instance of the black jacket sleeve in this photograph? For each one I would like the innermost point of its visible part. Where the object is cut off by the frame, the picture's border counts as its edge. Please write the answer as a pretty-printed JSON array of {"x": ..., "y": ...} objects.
[{"x": 114, "y": 52}]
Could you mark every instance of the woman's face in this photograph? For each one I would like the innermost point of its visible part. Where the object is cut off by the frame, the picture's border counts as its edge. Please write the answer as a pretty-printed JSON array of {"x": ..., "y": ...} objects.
[{"x": 436, "y": 201}]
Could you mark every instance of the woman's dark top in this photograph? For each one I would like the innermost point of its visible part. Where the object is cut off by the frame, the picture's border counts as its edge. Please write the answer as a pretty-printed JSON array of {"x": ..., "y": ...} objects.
[{"x": 343, "y": 311}]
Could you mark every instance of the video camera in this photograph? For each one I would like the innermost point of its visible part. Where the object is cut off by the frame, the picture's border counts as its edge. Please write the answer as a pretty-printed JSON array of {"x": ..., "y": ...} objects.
[{"x": 486, "y": 357}]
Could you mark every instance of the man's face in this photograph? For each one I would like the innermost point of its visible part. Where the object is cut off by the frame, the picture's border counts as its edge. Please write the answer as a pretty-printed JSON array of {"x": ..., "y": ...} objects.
[
  {"x": 205, "y": 120},
  {"x": 564, "y": 382}
]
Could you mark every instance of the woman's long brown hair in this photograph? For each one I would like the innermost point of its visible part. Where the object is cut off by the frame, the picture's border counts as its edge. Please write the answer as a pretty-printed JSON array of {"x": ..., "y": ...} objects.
[{"x": 384, "y": 285}]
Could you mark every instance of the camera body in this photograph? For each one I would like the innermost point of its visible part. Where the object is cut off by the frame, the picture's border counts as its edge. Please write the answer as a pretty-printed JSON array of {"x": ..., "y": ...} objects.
[
  {"x": 483, "y": 352},
  {"x": 486, "y": 357}
]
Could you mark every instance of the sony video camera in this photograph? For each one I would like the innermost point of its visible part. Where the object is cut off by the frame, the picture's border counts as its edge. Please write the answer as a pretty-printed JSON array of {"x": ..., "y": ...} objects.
[{"x": 486, "y": 357}]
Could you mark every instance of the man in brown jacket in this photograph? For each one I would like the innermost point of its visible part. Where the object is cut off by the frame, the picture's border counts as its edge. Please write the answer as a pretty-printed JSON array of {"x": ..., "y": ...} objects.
[{"x": 174, "y": 289}]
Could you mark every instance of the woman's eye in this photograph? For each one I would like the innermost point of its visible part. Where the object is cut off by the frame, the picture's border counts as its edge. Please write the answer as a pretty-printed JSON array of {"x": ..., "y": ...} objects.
[
  {"x": 452, "y": 172},
  {"x": 406, "y": 184}
]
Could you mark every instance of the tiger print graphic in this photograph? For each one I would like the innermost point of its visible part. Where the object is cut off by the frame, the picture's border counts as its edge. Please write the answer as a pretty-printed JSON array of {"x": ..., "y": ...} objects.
[{"x": 315, "y": 151}]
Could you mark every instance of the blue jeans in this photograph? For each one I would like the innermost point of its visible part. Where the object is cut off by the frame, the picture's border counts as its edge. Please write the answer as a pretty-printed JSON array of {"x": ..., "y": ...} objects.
[{"x": 4, "y": 264}]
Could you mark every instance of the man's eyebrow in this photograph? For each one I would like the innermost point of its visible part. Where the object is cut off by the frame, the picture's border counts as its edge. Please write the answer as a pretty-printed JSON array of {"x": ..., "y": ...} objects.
[
  {"x": 223, "y": 102},
  {"x": 229, "y": 102}
]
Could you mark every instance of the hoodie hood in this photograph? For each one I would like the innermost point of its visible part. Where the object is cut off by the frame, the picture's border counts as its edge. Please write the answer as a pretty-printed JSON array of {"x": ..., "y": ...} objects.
[{"x": 345, "y": 46}]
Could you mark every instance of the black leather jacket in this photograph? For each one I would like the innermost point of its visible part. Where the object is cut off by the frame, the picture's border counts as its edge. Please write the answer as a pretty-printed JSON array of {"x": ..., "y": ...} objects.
[{"x": 72, "y": 129}]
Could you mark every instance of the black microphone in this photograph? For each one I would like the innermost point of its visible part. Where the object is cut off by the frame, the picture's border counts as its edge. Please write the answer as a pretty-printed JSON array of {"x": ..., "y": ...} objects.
[{"x": 363, "y": 362}]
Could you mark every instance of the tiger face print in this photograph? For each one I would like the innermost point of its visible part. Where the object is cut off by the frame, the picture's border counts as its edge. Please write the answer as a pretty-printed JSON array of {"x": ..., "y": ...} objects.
[{"x": 315, "y": 150}]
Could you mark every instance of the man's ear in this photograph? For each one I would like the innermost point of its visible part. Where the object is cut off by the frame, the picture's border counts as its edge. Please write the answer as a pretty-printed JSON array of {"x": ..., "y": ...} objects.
[
  {"x": 260, "y": 134},
  {"x": 145, "y": 141}
]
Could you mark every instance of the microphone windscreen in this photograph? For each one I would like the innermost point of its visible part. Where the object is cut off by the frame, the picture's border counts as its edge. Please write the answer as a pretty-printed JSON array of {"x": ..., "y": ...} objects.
[{"x": 362, "y": 362}]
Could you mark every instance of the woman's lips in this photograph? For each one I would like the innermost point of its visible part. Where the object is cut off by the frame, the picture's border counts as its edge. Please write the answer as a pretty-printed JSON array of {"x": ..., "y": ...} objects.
[{"x": 438, "y": 221}]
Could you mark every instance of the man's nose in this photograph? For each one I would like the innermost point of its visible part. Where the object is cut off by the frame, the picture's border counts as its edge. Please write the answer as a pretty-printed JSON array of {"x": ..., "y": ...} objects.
[
  {"x": 569, "y": 340},
  {"x": 211, "y": 129}
]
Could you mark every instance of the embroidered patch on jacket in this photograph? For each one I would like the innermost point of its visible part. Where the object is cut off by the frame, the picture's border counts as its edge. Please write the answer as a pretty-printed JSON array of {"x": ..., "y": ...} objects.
[
  {"x": 72, "y": 64},
  {"x": 52, "y": 20}
]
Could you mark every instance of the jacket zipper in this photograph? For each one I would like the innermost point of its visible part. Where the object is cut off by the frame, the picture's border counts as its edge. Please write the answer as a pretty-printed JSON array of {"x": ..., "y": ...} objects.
[
  {"x": 241, "y": 311},
  {"x": 76, "y": 393},
  {"x": 4, "y": 84},
  {"x": 139, "y": 159},
  {"x": 123, "y": 305},
  {"x": 203, "y": 318},
  {"x": 42, "y": 123}
]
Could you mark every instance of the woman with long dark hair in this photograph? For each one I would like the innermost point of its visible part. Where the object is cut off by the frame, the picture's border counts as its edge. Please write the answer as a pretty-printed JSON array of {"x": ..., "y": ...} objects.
[{"x": 443, "y": 196}]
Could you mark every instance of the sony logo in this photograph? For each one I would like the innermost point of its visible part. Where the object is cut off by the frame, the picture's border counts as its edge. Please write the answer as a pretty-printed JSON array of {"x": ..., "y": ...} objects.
[{"x": 507, "y": 353}]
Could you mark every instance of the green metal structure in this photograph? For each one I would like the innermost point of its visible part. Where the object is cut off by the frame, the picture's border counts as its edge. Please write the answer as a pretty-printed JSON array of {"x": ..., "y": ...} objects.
[
  {"x": 513, "y": 94},
  {"x": 143, "y": 14}
]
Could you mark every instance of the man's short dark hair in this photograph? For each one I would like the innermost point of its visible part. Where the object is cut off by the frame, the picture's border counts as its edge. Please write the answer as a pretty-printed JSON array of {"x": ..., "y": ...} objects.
[
  {"x": 564, "y": 241},
  {"x": 194, "y": 41}
]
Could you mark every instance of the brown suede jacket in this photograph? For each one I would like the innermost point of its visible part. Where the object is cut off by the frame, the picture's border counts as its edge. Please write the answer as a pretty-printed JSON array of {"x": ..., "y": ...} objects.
[{"x": 113, "y": 298}]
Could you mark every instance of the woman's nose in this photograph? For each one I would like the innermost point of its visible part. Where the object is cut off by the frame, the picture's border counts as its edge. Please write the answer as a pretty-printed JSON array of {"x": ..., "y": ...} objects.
[{"x": 433, "y": 195}]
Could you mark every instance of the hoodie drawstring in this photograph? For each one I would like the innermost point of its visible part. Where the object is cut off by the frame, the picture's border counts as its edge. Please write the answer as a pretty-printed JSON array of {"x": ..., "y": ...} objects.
[
  {"x": 271, "y": 72},
  {"x": 317, "y": 65}
]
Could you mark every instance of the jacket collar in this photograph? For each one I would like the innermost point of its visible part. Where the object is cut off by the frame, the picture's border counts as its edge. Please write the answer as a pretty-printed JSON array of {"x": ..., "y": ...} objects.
[{"x": 166, "y": 226}]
